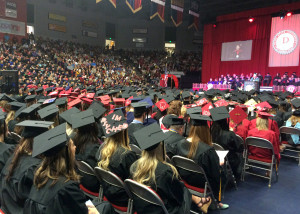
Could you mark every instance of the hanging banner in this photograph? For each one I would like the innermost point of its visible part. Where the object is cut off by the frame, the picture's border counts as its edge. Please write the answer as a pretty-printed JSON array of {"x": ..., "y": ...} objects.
[
  {"x": 114, "y": 2},
  {"x": 134, "y": 5},
  {"x": 12, "y": 27},
  {"x": 158, "y": 9},
  {"x": 11, "y": 9},
  {"x": 177, "y": 11},
  {"x": 194, "y": 15}
]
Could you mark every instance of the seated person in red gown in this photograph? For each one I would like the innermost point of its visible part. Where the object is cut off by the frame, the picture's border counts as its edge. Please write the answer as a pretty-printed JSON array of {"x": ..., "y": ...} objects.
[
  {"x": 262, "y": 131},
  {"x": 239, "y": 122}
]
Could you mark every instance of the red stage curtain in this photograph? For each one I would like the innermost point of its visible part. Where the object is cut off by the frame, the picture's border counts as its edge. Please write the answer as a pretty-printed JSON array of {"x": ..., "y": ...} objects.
[{"x": 240, "y": 30}]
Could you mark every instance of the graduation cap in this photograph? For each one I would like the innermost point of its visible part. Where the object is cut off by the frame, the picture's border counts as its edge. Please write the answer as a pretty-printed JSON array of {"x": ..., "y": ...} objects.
[
  {"x": 148, "y": 138},
  {"x": 113, "y": 123},
  {"x": 31, "y": 90},
  {"x": 119, "y": 101},
  {"x": 74, "y": 102},
  {"x": 30, "y": 98},
  {"x": 49, "y": 101},
  {"x": 238, "y": 115},
  {"x": 220, "y": 103},
  {"x": 171, "y": 119},
  {"x": 140, "y": 106},
  {"x": 273, "y": 103},
  {"x": 125, "y": 95},
  {"x": 34, "y": 128},
  {"x": 264, "y": 115},
  {"x": 149, "y": 101},
  {"x": 199, "y": 120},
  {"x": 48, "y": 111},
  {"x": 50, "y": 142},
  {"x": 66, "y": 116},
  {"x": 263, "y": 105},
  {"x": 162, "y": 105},
  {"x": 296, "y": 103},
  {"x": 82, "y": 119},
  {"x": 205, "y": 109},
  {"x": 61, "y": 101},
  {"x": 296, "y": 113},
  {"x": 98, "y": 109},
  {"x": 87, "y": 101},
  {"x": 39, "y": 90},
  {"x": 31, "y": 108},
  {"x": 168, "y": 99},
  {"x": 19, "y": 112},
  {"x": 202, "y": 102},
  {"x": 195, "y": 110},
  {"x": 186, "y": 94},
  {"x": 16, "y": 105},
  {"x": 219, "y": 113},
  {"x": 6, "y": 97}
]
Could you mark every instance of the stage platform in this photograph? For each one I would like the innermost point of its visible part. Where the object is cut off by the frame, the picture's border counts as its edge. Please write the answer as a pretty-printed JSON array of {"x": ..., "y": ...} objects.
[{"x": 205, "y": 87}]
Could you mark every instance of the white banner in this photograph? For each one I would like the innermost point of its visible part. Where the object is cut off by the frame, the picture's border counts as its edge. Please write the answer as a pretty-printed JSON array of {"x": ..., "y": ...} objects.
[
  {"x": 11, "y": 9},
  {"x": 12, "y": 27}
]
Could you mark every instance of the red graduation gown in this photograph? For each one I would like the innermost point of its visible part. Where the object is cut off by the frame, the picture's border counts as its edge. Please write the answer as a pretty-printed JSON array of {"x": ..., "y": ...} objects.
[{"x": 264, "y": 153}]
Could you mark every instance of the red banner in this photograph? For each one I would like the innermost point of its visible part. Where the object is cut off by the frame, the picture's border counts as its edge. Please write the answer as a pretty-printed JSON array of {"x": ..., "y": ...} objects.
[{"x": 284, "y": 41}]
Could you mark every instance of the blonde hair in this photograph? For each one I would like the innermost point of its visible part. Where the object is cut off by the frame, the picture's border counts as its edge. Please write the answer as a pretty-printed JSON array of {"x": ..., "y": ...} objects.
[
  {"x": 146, "y": 165},
  {"x": 110, "y": 146},
  {"x": 294, "y": 120},
  {"x": 10, "y": 116},
  {"x": 262, "y": 124}
]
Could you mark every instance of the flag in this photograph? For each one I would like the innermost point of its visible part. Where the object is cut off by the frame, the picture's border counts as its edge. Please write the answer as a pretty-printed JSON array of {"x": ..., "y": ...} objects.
[
  {"x": 158, "y": 8},
  {"x": 177, "y": 11},
  {"x": 134, "y": 5},
  {"x": 194, "y": 15},
  {"x": 114, "y": 2}
]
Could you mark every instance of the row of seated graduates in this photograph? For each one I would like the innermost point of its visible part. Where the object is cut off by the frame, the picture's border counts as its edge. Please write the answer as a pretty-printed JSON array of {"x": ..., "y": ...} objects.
[{"x": 72, "y": 116}]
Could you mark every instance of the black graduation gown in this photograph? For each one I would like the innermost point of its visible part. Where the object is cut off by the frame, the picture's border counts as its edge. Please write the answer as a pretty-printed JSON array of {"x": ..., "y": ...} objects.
[
  {"x": 171, "y": 143},
  {"x": 61, "y": 198},
  {"x": 89, "y": 156},
  {"x": 133, "y": 127},
  {"x": 6, "y": 150},
  {"x": 229, "y": 141},
  {"x": 119, "y": 164},
  {"x": 208, "y": 159},
  {"x": 15, "y": 191},
  {"x": 173, "y": 193},
  {"x": 279, "y": 118}
]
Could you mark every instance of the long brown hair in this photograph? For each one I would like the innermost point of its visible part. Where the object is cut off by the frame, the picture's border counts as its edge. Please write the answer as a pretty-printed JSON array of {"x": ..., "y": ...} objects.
[
  {"x": 110, "y": 146},
  {"x": 198, "y": 134},
  {"x": 175, "y": 108},
  {"x": 24, "y": 148},
  {"x": 60, "y": 164}
]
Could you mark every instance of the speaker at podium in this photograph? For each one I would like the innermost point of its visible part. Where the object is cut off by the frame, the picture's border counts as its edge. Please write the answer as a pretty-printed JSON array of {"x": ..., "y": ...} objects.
[{"x": 251, "y": 85}]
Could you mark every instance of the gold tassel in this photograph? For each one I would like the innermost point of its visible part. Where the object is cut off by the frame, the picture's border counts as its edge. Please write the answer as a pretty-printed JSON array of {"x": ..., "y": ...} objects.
[{"x": 220, "y": 190}]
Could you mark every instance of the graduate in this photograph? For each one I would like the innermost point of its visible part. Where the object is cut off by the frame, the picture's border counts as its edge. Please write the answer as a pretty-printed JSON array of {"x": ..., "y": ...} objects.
[
  {"x": 87, "y": 144},
  {"x": 198, "y": 147},
  {"x": 116, "y": 155},
  {"x": 50, "y": 113},
  {"x": 152, "y": 170},
  {"x": 294, "y": 121},
  {"x": 17, "y": 174},
  {"x": 227, "y": 139},
  {"x": 56, "y": 184}
]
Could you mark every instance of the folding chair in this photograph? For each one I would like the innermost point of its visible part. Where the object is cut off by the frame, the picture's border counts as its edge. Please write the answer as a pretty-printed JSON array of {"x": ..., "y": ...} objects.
[
  {"x": 218, "y": 147},
  {"x": 86, "y": 169},
  {"x": 255, "y": 162},
  {"x": 145, "y": 194},
  {"x": 113, "y": 179},
  {"x": 291, "y": 148},
  {"x": 136, "y": 149},
  {"x": 190, "y": 166}
]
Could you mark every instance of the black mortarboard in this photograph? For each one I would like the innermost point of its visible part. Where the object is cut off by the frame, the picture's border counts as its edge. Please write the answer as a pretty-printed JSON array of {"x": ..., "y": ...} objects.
[
  {"x": 19, "y": 112},
  {"x": 296, "y": 113},
  {"x": 61, "y": 101},
  {"x": 219, "y": 113},
  {"x": 66, "y": 116},
  {"x": 126, "y": 96},
  {"x": 50, "y": 142},
  {"x": 273, "y": 103},
  {"x": 169, "y": 99},
  {"x": 140, "y": 106},
  {"x": 210, "y": 93},
  {"x": 31, "y": 108},
  {"x": 186, "y": 94},
  {"x": 6, "y": 97},
  {"x": 170, "y": 120},
  {"x": 199, "y": 120},
  {"x": 296, "y": 103},
  {"x": 39, "y": 90},
  {"x": 82, "y": 119},
  {"x": 48, "y": 89},
  {"x": 16, "y": 105},
  {"x": 30, "y": 98},
  {"x": 31, "y": 90},
  {"x": 113, "y": 123},
  {"x": 98, "y": 109},
  {"x": 48, "y": 111},
  {"x": 149, "y": 137},
  {"x": 195, "y": 110},
  {"x": 34, "y": 128}
]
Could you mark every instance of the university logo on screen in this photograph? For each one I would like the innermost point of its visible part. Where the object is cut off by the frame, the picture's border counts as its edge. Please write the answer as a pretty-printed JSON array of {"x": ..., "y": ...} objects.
[{"x": 285, "y": 42}]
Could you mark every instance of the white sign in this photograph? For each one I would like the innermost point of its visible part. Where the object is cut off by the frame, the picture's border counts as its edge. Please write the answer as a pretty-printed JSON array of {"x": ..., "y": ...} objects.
[
  {"x": 285, "y": 42},
  {"x": 12, "y": 27}
]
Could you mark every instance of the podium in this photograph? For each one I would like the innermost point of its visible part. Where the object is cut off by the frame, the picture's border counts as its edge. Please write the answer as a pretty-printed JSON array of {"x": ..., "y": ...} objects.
[{"x": 251, "y": 85}]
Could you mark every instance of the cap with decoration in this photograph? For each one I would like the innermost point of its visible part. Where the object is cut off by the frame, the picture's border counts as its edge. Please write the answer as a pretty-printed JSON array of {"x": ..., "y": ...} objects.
[
  {"x": 113, "y": 123},
  {"x": 238, "y": 115}
]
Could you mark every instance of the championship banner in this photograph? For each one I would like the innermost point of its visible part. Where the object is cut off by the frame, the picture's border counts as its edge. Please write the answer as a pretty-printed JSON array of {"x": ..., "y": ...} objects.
[
  {"x": 12, "y": 27},
  {"x": 11, "y": 9},
  {"x": 158, "y": 8},
  {"x": 177, "y": 11},
  {"x": 194, "y": 15},
  {"x": 114, "y": 2},
  {"x": 134, "y": 5},
  {"x": 284, "y": 41}
]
